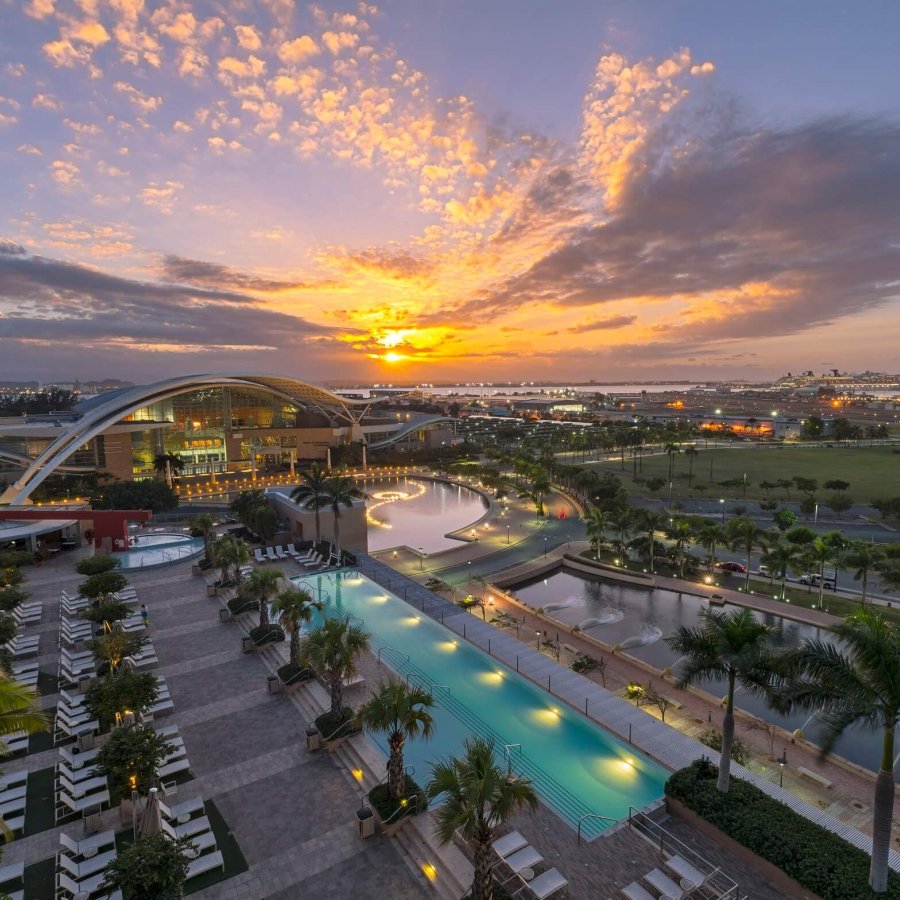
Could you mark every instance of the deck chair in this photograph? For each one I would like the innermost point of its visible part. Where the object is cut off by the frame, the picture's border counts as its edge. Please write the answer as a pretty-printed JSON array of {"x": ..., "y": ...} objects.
[{"x": 546, "y": 884}]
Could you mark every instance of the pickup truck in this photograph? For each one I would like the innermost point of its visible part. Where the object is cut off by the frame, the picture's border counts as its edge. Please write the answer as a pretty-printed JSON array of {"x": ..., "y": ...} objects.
[{"x": 814, "y": 578}]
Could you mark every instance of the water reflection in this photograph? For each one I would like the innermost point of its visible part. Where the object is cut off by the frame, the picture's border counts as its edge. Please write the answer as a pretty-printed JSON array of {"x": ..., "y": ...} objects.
[{"x": 637, "y": 620}]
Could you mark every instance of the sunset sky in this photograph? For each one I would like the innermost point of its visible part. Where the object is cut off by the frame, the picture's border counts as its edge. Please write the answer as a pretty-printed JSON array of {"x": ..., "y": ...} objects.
[{"x": 437, "y": 190}]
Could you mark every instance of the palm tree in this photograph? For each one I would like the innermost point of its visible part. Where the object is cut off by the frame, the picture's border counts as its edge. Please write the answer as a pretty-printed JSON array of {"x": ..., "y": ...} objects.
[
  {"x": 167, "y": 465},
  {"x": 261, "y": 587},
  {"x": 855, "y": 681},
  {"x": 310, "y": 493},
  {"x": 229, "y": 553},
  {"x": 863, "y": 557},
  {"x": 596, "y": 521},
  {"x": 710, "y": 536},
  {"x": 746, "y": 535},
  {"x": 782, "y": 558},
  {"x": 401, "y": 712},
  {"x": 333, "y": 650},
  {"x": 623, "y": 520},
  {"x": 682, "y": 533},
  {"x": 481, "y": 797},
  {"x": 671, "y": 450},
  {"x": 733, "y": 646},
  {"x": 821, "y": 553},
  {"x": 340, "y": 490},
  {"x": 651, "y": 521},
  {"x": 691, "y": 453},
  {"x": 293, "y": 608},
  {"x": 204, "y": 523}
]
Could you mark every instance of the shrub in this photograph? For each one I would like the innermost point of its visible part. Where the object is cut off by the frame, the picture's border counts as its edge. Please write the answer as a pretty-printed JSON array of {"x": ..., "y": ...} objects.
[
  {"x": 740, "y": 752},
  {"x": 291, "y": 674},
  {"x": 110, "y": 649},
  {"x": 15, "y": 559},
  {"x": 819, "y": 860},
  {"x": 237, "y": 605},
  {"x": 385, "y": 805},
  {"x": 266, "y": 634},
  {"x": 584, "y": 663},
  {"x": 154, "y": 868},
  {"x": 7, "y": 630},
  {"x": 329, "y": 724},
  {"x": 96, "y": 565},
  {"x": 134, "y": 691},
  {"x": 11, "y": 576},
  {"x": 11, "y": 597}
]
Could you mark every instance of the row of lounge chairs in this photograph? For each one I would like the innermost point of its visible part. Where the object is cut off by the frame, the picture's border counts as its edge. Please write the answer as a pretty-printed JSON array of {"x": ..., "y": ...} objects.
[
  {"x": 11, "y": 877},
  {"x": 13, "y": 791},
  {"x": 516, "y": 860},
  {"x": 311, "y": 559},
  {"x": 685, "y": 879}
]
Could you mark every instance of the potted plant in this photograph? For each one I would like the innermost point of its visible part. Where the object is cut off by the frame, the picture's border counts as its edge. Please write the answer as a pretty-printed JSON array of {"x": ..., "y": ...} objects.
[
  {"x": 294, "y": 608},
  {"x": 153, "y": 868}
]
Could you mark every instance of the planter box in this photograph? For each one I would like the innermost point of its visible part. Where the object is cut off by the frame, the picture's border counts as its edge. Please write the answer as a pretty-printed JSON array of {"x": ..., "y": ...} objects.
[
  {"x": 211, "y": 590},
  {"x": 365, "y": 821},
  {"x": 224, "y": 614},
  {"x": 392, "y": 829},
  {"x": 780, "y": 879},
  {"x": 247, "y": 645},
  {"x": 313, "y": 739}
]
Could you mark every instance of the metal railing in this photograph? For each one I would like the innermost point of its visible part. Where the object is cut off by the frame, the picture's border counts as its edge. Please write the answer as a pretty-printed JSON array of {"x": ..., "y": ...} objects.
[
  {"x": 274, "y": 629},
  {"x": 587, "y": 816}
]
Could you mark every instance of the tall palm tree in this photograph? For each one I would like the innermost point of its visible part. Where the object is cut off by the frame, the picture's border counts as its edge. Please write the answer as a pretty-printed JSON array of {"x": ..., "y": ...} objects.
[
  {"x": 310, "y": 493},
  {"x": 862, "y": 558},
  {"x": 596, "y": 522},
  {"x": 481, "y": 797},
  {"x": 782, "y": 558},
  {"x": 821, "y": 553},
  {"x": 651, "y": 521},
  {"x": 681, "y": 532},
  {"x": 340, "y": 490},
  {"x": 855, "y": 681},
  {"x": 167, "y": 465},
  {"x": 261, "y": 587},
  {"x": 293, "y": 608},
  {"x": 623, "y": 520},
  {"x": 204, "y": 523},
  {"x": 333, "y": 650},
  {"x": 733, "y": 646},
  {"x": 745, "y": 534},
  {"x": 401, "y": 712},
  {"x": 710, "y": 536},
  {"x": 671, "y": 450},
  {"x": 691, "y": 453},
  {"x": 229, "y": 553}
]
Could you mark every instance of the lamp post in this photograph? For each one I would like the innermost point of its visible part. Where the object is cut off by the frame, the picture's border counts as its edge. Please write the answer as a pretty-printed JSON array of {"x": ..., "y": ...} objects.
[
  {"x": 782, "y": 762},
  {"x": 469, "y": 564},
  {"x": 507, "y": 534},
  {"x": 816, "y": 516},
  {"x": 421, "y": 559},
  {"x": 538, "y": 640},
  {"x": 545, "y": 548},
  {"x": 722, "y": 504}
]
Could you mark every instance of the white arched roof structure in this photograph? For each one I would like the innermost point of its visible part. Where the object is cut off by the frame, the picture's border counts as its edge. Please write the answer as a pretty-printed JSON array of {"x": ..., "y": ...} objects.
[{"x": 101, "y": 413}]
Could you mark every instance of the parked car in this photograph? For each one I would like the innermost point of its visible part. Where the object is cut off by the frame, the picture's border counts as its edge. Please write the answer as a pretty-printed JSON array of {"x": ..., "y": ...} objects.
[
  {"x": 764, "y": 571},
  {"x": 731, "y": 566},
  {"x": 814, "y": 579}
]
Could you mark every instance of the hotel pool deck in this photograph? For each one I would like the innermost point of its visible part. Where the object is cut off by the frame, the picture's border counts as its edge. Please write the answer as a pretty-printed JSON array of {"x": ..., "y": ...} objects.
[{"x": 583, "y": 772}]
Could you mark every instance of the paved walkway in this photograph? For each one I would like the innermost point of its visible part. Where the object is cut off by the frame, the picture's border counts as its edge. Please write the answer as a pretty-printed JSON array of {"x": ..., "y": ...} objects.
[{"x": 291, "y": 812}]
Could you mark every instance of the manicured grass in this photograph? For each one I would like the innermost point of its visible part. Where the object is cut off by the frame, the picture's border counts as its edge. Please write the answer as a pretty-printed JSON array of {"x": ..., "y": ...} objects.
[
  {"x": 40, "y": 811},
  {"x": 47, "y": 683},
  {"x": 872, "y": 472},
  {"x": 231, "y": 852}
]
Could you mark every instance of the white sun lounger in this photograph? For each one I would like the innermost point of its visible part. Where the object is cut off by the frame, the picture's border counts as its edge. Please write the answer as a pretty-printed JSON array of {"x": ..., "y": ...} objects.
[
  {"x": 88, "y": 847},
  {"x": 270, "y": 554},
  {"x": 658, "y": 879},
  {"x": 205, "y": 863},
  {"x": 687, "y": 874},
  {"x": 546, "y": 884},
  {"x": 508, "y": 844},
  {"x": 258, "y": 555},
  {"x": 292, "y": 551},
  {"x": 634, "y": 891},
  {"x": 279, "y": 552}
]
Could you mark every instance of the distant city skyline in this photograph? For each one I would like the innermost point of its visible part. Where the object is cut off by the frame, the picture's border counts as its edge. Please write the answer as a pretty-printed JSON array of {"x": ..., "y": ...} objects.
[{"x": 449, "y": 192}]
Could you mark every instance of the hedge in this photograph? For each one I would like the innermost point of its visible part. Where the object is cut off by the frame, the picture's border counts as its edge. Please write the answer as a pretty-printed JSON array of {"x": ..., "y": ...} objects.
[{"x": 810, "y": 854}]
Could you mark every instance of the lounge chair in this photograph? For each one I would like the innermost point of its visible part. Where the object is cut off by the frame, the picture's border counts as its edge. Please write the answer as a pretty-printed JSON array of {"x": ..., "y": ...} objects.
[
  {"x": 270, "y": 554},
  {"x": 546, "y": 884},
  {"x": 634, "y": 891},
  {"x": 81, "y": 870},
  {"x": 88, "y": 847},
  {"x": 508, "y": 844},
  {"x": 669, "y": 889},
  {"x": 205, "y": 864},
  {"x": 526, "y": 858},
  {"x": 279, "y": 552},
  {"x": 258, "y": 555},
  {"x": 292, "y": 551},
  {"x": 314, "y": 562},
  {"x": 306, "y": 555},
  {"x": 690, "y": 876}
]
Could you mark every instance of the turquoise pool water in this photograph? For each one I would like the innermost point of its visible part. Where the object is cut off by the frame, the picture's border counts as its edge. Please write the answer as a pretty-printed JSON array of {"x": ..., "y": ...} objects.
[
  {"x": 158, "y": 550},
  {"x": 577, "y": 767}
]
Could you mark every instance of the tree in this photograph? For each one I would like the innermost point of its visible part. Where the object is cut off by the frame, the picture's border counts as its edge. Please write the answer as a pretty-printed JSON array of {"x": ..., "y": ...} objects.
[
  {"x": 121, "y": 692},
  {"x": 785, "y": 484},
  {"x": 596, "y": 522},
  {"x": 651, "y": 521},
  {"x": 229, "y": 553},
  {"x": 204, "y": 525},
  {"x": 622, "y": 521},
  {"x": 109, "y": 612},
  {"x": 265, "y": 522},
  {"x": 100, "y": 586},
  {"x": 261, "y": 587},
  {"x": 167, "y": 465},
  {"x": 151, "y": 494},
  {"x": 671, "y": 450},
  {"x": 808, "y": 486},
  {"x": 96, "y": 565},
  {"x": 311, "y": 493},
  {"x": 812, "y": 427},
  {"x": 245, "y": 505},
  {"x": 782, "y": 558},
  {"x": 399, "y": 711},
  {"x": 836, "y": 485},
  {"x": 784, "y": 519},
  {"x": 691, "y": 453},
  {"x": 480, "y": 798},
  {"x": 340, "y": 490},
  {"x": 655, "y": 484},
  {"x": 111, "y": 648},
  {"x": 20, "y": 710},
  {"x": 854, "y": 681},
  {"x": 839, "y": 502},
  {"x": 746, "y": 535},
  {"x": 863, "y": 557},
  {"x": 154, "y": 868},
  {"x": 333, "y": 650},
  {"x": 293, "y": 608},
  {"x": 709, "y": 537},
  {"x": 733, "y": 646},
  {"x": 681, "y": 533},
  {"x": 130, "y": 758}
]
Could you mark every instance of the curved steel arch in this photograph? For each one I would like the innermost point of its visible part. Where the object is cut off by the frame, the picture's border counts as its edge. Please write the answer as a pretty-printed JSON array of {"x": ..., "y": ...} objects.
[
  {"x": 124, "y": 403},
  {"x": 409, "y": 429}
]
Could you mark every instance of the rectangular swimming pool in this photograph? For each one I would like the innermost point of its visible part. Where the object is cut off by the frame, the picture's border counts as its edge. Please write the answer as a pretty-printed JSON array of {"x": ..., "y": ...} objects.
[{"x": 578, "y": 768}]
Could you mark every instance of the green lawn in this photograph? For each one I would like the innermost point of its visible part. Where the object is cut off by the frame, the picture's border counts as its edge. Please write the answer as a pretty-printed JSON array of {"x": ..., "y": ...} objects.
[{"x": 871, "y": 471}]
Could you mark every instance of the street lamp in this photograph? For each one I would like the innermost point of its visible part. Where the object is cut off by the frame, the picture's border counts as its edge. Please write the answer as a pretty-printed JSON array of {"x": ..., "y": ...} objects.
[
  {"x": 782, "y": 762},
  {"x": 507, "y": 534},
  {"x": 722, "y": 504},
  {"x": 538, "y": 639},
  {"x": 421, "y": 559},
  {"x": 816, "y": 516},
  {"x": 545, "y": 548}
]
